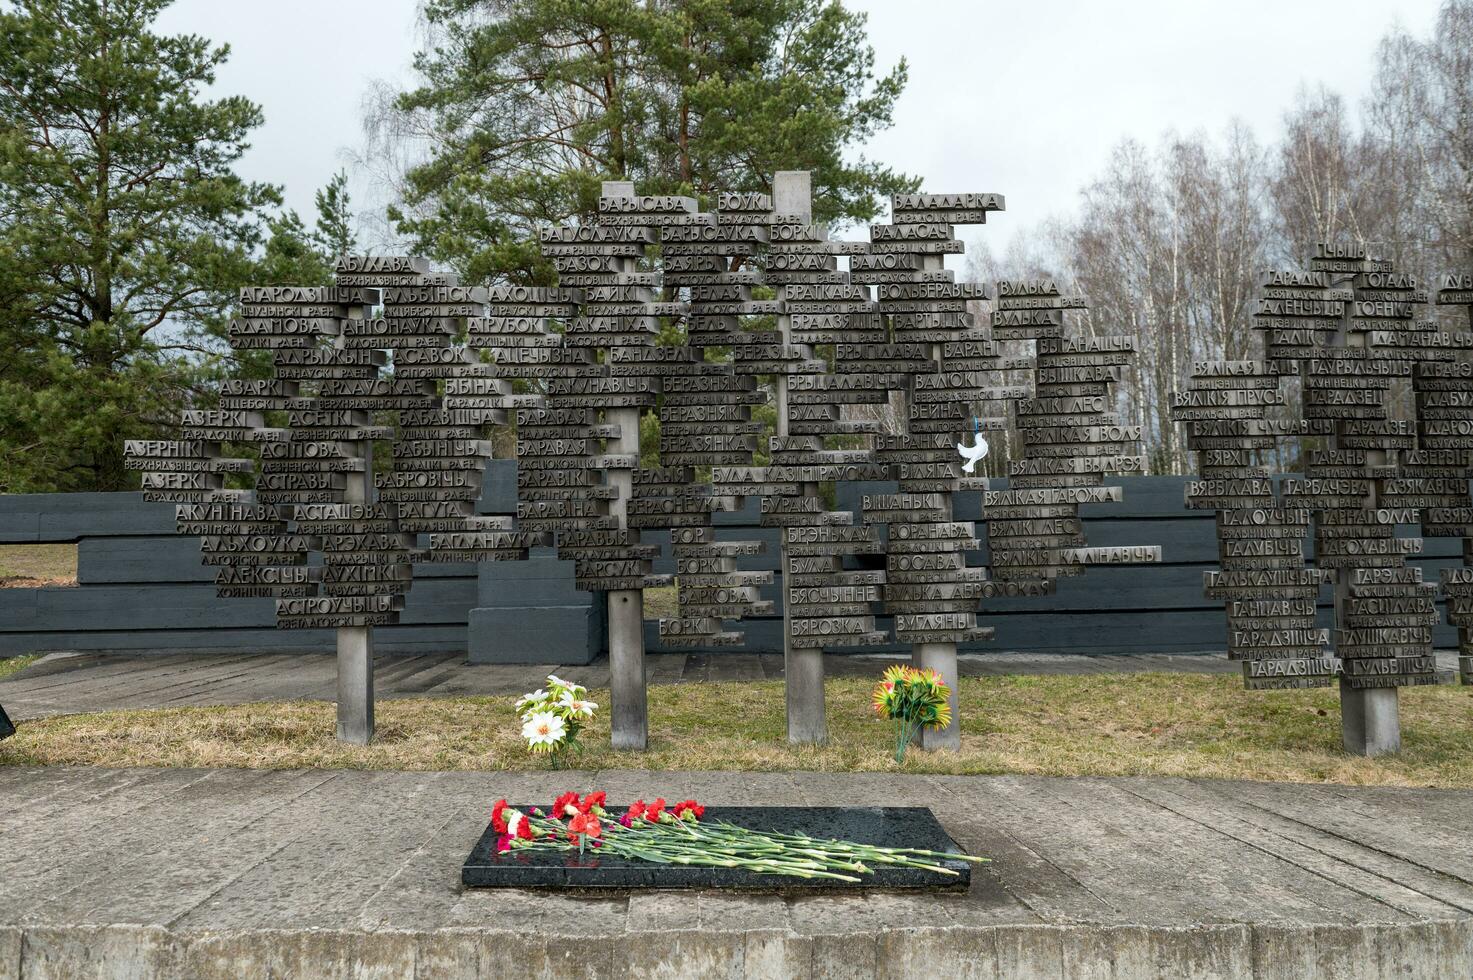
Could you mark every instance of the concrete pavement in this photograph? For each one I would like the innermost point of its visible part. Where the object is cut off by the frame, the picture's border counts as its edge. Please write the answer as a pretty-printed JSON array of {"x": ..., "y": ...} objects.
[{"x": 352, "y": 874}]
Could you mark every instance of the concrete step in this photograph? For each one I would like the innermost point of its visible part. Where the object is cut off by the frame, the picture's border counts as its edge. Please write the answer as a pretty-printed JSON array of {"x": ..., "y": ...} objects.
[{"x": 235, "y": 873}]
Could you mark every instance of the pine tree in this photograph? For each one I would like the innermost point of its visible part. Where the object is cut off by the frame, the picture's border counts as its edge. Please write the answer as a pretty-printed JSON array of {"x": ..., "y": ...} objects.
[
  {"x": 529, "y": 104},
  {"x": 124, "y": 233},
  {"x": 334, "y": 234},
  {"x": 295, "y": 256}
]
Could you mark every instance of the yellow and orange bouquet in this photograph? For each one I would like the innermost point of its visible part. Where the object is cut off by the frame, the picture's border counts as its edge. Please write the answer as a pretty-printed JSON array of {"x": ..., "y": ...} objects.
[{"x": 913, "y": 699}]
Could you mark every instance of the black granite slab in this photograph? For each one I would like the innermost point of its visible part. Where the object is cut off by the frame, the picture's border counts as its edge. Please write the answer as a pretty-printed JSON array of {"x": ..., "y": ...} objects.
[
  {"x": 890, "y": 826},
  {"x": 7, "y": 729}
]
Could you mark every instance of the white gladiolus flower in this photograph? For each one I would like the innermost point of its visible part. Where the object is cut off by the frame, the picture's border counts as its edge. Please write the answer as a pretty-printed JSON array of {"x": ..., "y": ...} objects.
[
  {"x": 535, "y": 696},
  {"x": 579, "y": 709},
  {"x": 544, "y": 728}
]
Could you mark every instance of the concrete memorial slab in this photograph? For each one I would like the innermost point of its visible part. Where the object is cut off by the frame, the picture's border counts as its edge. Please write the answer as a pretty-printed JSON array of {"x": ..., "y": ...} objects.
[
  {"x": 1346, "y": 329},
  {"x": 886, "y": 826},
  {"x": 194, "y": 874}
]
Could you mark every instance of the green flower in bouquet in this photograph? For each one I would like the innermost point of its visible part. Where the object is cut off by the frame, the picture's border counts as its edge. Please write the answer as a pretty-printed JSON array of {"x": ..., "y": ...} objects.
[
  {"x": 552, "y": 719},
  {"x": 913, "y": 699}
]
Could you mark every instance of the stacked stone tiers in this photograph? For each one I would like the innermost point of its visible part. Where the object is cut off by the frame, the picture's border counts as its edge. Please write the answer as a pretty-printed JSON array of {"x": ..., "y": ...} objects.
[
  {"x": 588, "y": 345},
  {"x": 395, "y": 353},
  {"x": 705, "y": 415},
  {"x": 949, "y": 366},
  {"x": 1269, "y": 589},
  {"x": 1348, "y": 327},
  {"x": 814, "y": 304},
  {"x": 1444, "y": 395},
  {"x": 310, "y": 482},
  {"x": 1072, "y": 438}
]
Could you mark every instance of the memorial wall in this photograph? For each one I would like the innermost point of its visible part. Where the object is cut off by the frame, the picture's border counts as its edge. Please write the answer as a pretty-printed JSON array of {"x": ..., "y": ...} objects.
[
  {"x": 371, "y": 436},
  {"x": 363, "y": 454},
  {"x": 1338, "y": 336},
  {"x": 312, "y": 521}
]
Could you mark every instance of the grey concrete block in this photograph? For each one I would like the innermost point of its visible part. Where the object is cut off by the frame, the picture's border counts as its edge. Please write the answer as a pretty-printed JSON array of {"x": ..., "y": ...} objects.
[
  {"x": 574, "y": 958},
  {"x": 10, "y": 945},
  {"x": 328, "y": 955},
  {"x": 1212, "y": 952},
  {"x": 775, "y": 954},
  {"x": 843, "y": 957},
  {"x": 386, "y": 955},
  {"x": 656, "y": 955},
  {"x": 725, "y": 910},
  {"x": 193, "y": 607},
  {"x": 1415, "y": 950},
  {"x": 229, "y": 955},
  {"x": 498, "y": 487},
  {"x": 535, "y": 634},
  {"x": 664, "y": 911},
  {"x": 70, "y": 516},
  {"x": 510, "y": 954},
  {"x": 542, "y": 580},
  {"x": 1297, "y": 951},
  {"x": 156, "y": 558},
  {"x": 266, "y": 639},
  {"x": 332, "y": 954},
  {"x": 121, "y": 952},
  {"x": 1029, "y": 951},
  {"x": 967, "y": 954},
  {"x": 449, "y": 953}
]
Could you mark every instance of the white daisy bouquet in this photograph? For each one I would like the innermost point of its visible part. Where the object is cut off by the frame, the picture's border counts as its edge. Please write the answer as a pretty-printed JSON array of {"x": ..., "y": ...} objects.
[{"x": 552, "y": 718}]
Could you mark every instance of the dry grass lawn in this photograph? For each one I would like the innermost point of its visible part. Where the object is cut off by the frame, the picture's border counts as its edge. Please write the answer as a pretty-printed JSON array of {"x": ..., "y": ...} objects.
[
  {"x": 30, "y": 566},
  {"x": 10, "y": 665},
  {"x": 1127, "y": 724},
  {"x": 660, "y": 603}
]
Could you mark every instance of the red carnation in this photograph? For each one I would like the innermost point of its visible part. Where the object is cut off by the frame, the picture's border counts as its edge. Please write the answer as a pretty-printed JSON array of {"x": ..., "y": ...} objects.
[
  {"x": 593, "y": 800},
  {"x": 497, "y": 820},
  {"x": 584, "y": 823},
  {"x": 566, "y": 805},
  {"x": 524, "y": 829},
  {"x": 653, "y": 811},
  {"x": 695, "y": 810},
  {"x": 636, "y": 811}
]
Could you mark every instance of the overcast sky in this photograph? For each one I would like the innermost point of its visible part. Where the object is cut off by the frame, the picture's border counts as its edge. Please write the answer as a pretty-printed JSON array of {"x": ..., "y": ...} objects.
[{"x": 1023, "y": 99}]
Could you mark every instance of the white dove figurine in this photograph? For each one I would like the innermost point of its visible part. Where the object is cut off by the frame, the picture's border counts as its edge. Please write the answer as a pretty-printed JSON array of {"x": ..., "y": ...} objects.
[{"x": 972, "y": 454}]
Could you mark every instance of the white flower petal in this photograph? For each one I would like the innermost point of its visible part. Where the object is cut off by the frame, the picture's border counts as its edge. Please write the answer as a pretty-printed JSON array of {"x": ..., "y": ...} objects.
[{"x": 544, "y": 728}]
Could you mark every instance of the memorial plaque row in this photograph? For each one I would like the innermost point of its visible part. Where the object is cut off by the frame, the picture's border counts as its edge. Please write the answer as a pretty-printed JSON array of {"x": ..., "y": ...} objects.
[{"x": 1346, "y": 328}]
